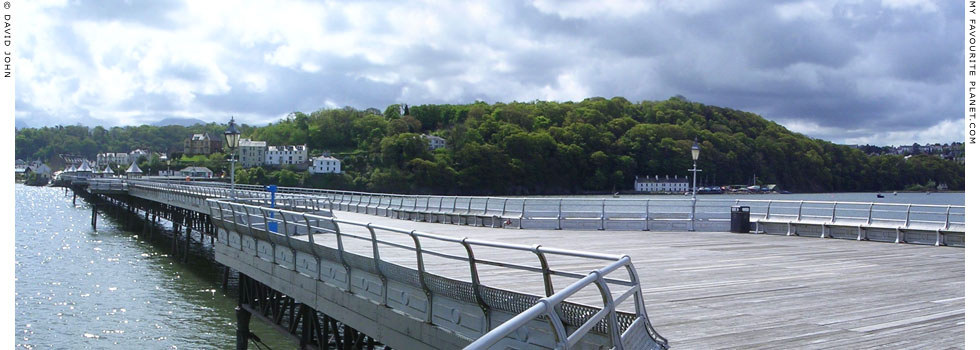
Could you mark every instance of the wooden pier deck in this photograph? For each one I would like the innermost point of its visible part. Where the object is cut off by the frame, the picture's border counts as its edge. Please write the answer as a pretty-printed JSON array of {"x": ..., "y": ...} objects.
[{"x": 719, "y": 290}]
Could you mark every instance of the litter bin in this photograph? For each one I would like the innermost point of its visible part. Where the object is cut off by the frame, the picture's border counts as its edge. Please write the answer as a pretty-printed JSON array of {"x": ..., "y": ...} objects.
[{"x": 740, "y": 219}]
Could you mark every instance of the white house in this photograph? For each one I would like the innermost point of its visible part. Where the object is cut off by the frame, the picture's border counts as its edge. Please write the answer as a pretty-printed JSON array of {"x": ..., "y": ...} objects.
[
  {"x": 286, "y": 155},
  {"x": 42, "y": 169},
  {"x": 435, "y": 141},
  {"x": 196, "y": 171},
  {"x": 658, "y": 184},
  {"x": 325, "y": 165},
  {"x": 103, "y": 159},
  {"x": 136, "y": 154}
]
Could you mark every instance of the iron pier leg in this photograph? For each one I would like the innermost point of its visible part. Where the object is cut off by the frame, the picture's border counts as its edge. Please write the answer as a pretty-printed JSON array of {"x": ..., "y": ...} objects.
[
  {"x": 348, "y": 338},
  {"x": 224, "y": 280},
  {"x": 173, "y": 242},
  {"x": 187, "y": 242},
  {"x": 95, "y": 215},
  {"x": 309, "y": 316},
  {"x": 337, "y": 340},
  {"x": 242, "y": 333}
]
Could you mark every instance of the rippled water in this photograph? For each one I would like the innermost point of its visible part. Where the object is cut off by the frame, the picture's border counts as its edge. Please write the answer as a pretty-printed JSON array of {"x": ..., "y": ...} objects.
[{"x": 81, "y": 289}]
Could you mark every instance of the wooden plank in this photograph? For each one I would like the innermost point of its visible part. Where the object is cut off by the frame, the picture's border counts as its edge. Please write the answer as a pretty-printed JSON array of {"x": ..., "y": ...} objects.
[{"x": 724, "y": 290}]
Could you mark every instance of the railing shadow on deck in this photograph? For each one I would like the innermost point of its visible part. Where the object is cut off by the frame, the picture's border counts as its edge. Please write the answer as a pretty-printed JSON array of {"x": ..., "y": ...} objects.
[{"x": 309, "y": 244}]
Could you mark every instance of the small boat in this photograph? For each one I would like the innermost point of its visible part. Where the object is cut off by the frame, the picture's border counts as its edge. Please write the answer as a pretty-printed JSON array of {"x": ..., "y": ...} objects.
[
  {"x": 616, "y": 195},
  {"x": 895, "y": 193},
  {"x": 881, "y": 196}
]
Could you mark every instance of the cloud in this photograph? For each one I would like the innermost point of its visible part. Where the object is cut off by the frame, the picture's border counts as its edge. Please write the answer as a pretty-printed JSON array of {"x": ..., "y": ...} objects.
[{"x": 846, "y": 70}]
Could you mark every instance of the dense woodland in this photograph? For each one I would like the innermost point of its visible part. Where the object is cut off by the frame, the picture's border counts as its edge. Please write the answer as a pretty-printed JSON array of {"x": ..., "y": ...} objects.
[{"x": 596, "y": 145}]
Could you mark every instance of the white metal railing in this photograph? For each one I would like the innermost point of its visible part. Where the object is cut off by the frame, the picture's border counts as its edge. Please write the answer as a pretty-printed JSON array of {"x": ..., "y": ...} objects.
[
  {"x": 106, "y": 184},
  {"x": 570, "y": 322},
  {"x": 891, "y": 215},
  {"x": 601, "y": 212}
]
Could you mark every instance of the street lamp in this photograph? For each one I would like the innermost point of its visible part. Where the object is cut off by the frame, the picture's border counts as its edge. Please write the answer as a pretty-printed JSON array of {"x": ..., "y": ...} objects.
[
  {"x": 695, "y": 152},
  {"x": 231, "y": 140}
]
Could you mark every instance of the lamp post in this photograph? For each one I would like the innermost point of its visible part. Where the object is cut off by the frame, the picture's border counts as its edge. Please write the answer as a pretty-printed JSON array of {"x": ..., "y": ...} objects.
[
  {"x": 695, "y": 152},
  {"x": 231, "y": 140}
]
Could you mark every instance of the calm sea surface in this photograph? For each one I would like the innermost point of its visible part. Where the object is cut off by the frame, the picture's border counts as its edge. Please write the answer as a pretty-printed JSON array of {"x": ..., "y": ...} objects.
[
  {"x": 81, "y": 289},
  {"x": 78, "y": 288}
]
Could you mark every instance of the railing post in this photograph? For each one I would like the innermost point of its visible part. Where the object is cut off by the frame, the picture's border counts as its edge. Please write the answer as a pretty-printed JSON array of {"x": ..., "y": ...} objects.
[
  {"x": 377, "y": 265},
  {"x": 609, "y": 306},
  {"x": 768, "y": 206},
  {"x": 945, "y": 227},
  {"x": 870, "y": 210},
  {"x": 908, "y": 215},
  {"x": 340, "y": 254},
  {"x": 503, "y": 212},
  {"x": 520, "y": 220},
  {"x": 421, "y": 266},
  {"x": 559, "y": 212},
  {"x": 602, "y": 216},
  {"x": 646, "y": 217},
  {"x": 799, "y": 214},
  {"x": 486, "y": 206},
  {"x": 477, "y": 288},
  {"x": 833, "y": 214},
  {"x": 549, "y": 287}
]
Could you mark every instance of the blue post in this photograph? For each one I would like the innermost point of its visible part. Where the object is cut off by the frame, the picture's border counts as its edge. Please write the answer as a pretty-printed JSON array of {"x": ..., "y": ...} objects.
[{"x": 273, "y": 226}]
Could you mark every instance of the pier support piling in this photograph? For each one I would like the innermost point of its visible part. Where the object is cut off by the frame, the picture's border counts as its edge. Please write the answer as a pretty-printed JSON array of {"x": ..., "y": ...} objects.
[
  {"x": 187, "y": 242},
  {"x": 224, "y": 280},
  {"x": 242, "y": 332}
]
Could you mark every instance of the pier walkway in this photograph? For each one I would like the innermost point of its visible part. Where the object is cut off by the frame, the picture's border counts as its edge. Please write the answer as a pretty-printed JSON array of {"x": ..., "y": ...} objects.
[
  {"x": 719, "y": 290},
  {"x": 701, "y": 290}
]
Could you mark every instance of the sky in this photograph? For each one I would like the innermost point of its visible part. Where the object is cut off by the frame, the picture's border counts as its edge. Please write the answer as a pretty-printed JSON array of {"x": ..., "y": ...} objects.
[{"x": 884, "y": 72}]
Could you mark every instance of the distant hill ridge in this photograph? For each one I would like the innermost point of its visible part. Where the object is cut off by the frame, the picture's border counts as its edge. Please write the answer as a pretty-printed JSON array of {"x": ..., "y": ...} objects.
[
  {"x": 179, "y": 121},
  {"x": 538, "y": 147}
]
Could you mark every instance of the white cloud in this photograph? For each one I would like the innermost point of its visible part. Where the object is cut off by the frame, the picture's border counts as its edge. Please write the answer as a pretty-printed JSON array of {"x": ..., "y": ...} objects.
[
  {"x": 829, "y": 68},
  {"x": 941, "y": 132},
  {"x": 921, "y": 5},
  {"x": 592, "y": 8},
  {"x": 805, "y": 10}
]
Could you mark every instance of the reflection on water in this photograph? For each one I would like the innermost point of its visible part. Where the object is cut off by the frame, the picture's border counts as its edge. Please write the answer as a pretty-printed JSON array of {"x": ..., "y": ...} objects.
[{"x": 77, "y": 288}]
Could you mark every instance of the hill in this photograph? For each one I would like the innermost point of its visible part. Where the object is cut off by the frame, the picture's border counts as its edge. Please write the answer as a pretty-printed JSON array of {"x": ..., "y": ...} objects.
[
  {"x": 179, "y": 121},
  {"x": 538, "y": 147}
]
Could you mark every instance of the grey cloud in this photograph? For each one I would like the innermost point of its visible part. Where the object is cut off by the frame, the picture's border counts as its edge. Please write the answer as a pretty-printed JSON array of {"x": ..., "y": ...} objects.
[{"x": 738, "y": 55}]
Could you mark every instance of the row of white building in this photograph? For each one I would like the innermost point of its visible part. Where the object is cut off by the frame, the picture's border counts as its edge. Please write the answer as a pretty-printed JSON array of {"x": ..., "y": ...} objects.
[
  {"x": 123, "y": 158},
  {"x": 258, "y": 153},
  {"x": 661, "y": 184}
]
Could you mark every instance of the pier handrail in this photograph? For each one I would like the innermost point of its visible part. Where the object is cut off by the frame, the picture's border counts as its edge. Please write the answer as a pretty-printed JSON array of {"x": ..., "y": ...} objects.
[
  {"x": 711, "y": 209},
  {"x": 603, "y": 210},
  {"x": 605, "y": 264}
]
